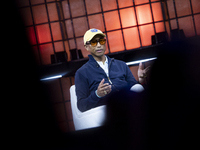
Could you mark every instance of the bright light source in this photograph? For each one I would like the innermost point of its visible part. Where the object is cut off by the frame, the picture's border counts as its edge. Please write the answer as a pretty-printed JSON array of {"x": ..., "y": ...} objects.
[
  {"x": 53, "y": 77},
  {"x": 139, "y": 61}
]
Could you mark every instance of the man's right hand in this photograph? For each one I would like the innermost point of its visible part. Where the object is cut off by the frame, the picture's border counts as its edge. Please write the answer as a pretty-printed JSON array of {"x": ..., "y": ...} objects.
[{"x": 103, "y": 89}]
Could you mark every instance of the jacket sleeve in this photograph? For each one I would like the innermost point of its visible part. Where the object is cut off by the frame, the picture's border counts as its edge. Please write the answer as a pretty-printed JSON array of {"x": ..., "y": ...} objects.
[
  {"x": 85, "y": 99},
  {"x": 130, "y": 78}
]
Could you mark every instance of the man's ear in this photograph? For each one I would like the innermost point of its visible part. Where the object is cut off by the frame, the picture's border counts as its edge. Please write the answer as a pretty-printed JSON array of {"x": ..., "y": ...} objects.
[{"x": 86, "y": 47}]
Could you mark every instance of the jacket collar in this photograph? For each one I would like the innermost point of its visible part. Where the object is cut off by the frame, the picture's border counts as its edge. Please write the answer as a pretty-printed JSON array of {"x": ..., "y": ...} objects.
[{"x": 91, "y": 59}]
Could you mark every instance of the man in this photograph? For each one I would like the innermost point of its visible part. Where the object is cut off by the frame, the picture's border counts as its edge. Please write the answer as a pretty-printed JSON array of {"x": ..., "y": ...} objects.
[{"x": 101, "y": 75}]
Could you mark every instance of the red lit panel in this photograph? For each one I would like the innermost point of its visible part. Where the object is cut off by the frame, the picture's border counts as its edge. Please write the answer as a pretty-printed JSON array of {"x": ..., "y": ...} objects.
[
  {"x": 160, "y": 27},
  {"x": 173, "y": 24},
  {"x": 31, "y": 35},
  {"x": 58, "y": 46},
  {"x": 196, "y": 6},
  {"x": 131, "y": 38},
  {"x": 141, "y": 1},
  {"x": 53, "y": 13},
  {"x": 127, "y": 17},
  {"x": 134, "y": 70},
  {"x": 144, "y": 14},
  {"x": 65, "y": 8},
  {"x": 50, "y": 0},
  {"x": 115, "y": 41},
  {"x": 69, "y": 28},
  {"x": 197, "y": 23},
  {"x": 37, "y": 2},
  {"x": 77, "y": 8},
  {"x": 112, "y": 20},
  {"x": 186, "y": 24},
  {"x": 171, "y": 11},
  {"x": 107, "y": 51},
  {"x": 146, "y": 32},
  {"x": 80, "y": 26},
  {"x": 157, "y": 12},
  {"x": 39, "y": 14},
  {"x": 93, "y": 22},
  {"x": 43, "y": 33},
  {"x": 109, "y": 4},
  {"x": 55, "y": 27},
  {"x": 66, "y": 44},
  {"x": 80, "y": 45},
  {"x": 93, "y": 6},
  {"x": 72, "y": 44},
  {"x": 167, "y": 24},
  {"x": 46, "y": 51},
  {"x": 183, "y": 7},
  {"x": 125, "y": 3}
]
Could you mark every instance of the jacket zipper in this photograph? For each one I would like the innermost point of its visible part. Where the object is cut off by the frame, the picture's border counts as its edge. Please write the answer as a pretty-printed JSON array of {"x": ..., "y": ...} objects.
[
  {"x": 108, "y": 74},
  {"x": 109, "y": 80},
  {"x": 108, "y": 71}
]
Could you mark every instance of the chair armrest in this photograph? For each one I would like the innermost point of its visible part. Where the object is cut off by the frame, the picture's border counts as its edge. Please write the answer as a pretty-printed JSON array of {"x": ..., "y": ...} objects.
[{"x": 137, "y": 88}]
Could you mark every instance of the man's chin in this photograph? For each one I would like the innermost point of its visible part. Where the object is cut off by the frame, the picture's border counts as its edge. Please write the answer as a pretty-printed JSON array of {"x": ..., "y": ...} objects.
[{"x": 98, "y": 55}]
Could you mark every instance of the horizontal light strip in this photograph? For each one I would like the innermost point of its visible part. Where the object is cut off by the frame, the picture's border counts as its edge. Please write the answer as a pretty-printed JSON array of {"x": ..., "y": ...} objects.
[
  {"x": 139, "y": 61},
  {"x": 53, "y": 77},
  {"x": 128, "y": 63}
]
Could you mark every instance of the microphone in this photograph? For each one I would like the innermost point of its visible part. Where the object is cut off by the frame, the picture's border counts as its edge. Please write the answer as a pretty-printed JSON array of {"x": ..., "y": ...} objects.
[{"x": 98, "y": 66}]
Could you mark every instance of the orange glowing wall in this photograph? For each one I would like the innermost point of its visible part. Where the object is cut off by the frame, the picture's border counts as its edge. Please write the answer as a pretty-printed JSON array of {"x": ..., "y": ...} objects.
[{"x": 128, "y": 24}]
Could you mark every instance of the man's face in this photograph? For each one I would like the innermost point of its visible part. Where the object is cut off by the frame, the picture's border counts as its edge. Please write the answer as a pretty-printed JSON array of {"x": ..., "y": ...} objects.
[{"x": 98, "y": 50}]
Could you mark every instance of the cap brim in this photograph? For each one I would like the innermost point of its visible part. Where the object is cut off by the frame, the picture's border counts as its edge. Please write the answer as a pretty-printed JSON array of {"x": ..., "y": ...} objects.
[{"x": 94, "y": 36}]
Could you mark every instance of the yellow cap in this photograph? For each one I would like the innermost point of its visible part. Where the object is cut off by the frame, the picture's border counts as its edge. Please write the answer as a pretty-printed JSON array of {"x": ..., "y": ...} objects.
[{"x": 90, "y": 34}]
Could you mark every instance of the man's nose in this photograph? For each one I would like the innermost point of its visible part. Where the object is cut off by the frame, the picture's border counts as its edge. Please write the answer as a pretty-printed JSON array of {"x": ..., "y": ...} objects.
[{"x": 98, "y": 44}]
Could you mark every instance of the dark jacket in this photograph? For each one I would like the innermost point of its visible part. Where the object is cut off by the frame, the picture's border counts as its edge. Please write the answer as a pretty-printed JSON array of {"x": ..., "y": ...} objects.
[{"x": 88, "y": 77}]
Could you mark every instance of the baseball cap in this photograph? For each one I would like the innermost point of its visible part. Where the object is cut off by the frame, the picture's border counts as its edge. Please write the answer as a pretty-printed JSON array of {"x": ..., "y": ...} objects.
[{"x": 91, "y": 33}]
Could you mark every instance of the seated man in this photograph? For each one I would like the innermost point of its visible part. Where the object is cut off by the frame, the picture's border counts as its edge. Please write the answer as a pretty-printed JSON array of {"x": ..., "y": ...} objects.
[{"x": 101, "y": 74}]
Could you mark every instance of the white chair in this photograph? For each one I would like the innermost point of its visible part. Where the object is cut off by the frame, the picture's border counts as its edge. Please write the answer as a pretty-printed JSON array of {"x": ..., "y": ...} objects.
[
  {"x": 94, "y": 117},
  {"x": 88, "y": 119}
]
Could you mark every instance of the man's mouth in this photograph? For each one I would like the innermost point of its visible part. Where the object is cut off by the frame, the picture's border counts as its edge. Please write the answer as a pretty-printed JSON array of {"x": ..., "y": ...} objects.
[{"x": 99, "y": 50}]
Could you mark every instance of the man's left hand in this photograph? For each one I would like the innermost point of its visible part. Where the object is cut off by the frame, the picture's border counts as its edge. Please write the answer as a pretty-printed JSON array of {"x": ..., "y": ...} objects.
[{"x": 142, "y": 73}]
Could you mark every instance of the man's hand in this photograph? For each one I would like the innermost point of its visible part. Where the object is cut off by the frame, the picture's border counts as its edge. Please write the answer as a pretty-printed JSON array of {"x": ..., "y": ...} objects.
[
  {"x": 103, "y": 89},
  {"x": 142, "y": 73}
]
